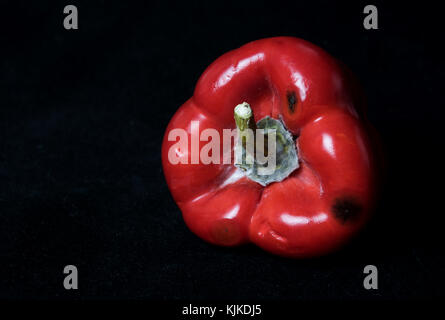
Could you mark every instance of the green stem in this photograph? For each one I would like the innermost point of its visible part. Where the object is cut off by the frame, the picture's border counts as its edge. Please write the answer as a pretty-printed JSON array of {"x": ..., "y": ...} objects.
[
  {"x": 280, "y": 164},
  {"x": 245, "y": 120},
  {"x": 244, "y": 117}
]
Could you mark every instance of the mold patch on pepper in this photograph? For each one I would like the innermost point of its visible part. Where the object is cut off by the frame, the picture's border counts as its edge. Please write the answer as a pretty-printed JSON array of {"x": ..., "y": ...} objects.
[
  {"x": 291, "y": 101},
  {"x": 346, "y": 209}
]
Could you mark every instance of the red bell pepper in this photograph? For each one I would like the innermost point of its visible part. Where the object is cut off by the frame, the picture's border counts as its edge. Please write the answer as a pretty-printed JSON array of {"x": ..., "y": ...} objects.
[{"x": 319, "y": 205}]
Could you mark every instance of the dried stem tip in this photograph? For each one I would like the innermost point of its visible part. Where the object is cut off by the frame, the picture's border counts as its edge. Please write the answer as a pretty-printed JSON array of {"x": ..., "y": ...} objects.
[{"x": 244, "y": 117}]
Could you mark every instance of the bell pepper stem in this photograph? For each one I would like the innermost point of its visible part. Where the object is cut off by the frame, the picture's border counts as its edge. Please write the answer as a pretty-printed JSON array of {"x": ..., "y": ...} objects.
[
  {"x": 245, "y": 120},
  {"x": 244, "y": 117},
  {"x": 250, "y": 157}
]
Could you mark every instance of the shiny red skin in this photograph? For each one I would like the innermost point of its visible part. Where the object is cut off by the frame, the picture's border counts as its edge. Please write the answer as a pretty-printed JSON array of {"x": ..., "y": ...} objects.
[{"x": 295, "y": 217}]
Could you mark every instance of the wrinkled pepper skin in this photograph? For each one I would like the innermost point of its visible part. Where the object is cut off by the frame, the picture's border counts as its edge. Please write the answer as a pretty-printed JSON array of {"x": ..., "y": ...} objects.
[{"x": 322, "y": 204}]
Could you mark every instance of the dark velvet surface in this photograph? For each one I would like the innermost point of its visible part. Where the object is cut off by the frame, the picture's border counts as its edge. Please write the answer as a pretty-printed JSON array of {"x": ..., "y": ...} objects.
[{"x": 83, "y": 113}]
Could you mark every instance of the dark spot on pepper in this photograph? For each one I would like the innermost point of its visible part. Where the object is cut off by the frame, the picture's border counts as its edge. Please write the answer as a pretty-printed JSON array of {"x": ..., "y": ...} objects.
[
  {"x": 346, "y": 209},
  {"x": 291, "y": 100}
]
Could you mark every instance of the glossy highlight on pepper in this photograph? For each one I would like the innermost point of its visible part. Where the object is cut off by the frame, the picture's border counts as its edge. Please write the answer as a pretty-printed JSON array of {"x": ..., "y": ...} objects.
[{"x": 320, "y": 205}]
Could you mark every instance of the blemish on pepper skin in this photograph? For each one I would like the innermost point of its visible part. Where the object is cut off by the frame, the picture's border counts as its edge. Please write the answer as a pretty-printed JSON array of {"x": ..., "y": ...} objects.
[
  {"x": 291, "y": 100},
  {"x": 346, "y": 209},
  {"x": 226, "y": 232}
]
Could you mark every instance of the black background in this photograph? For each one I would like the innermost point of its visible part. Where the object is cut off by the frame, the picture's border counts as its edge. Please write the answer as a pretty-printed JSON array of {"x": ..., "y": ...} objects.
[{"x": 83, "y": 113}]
